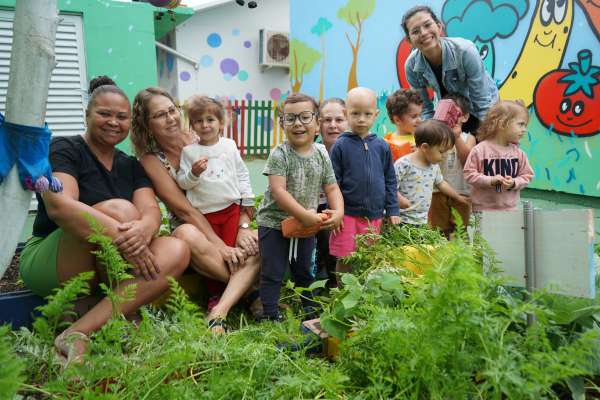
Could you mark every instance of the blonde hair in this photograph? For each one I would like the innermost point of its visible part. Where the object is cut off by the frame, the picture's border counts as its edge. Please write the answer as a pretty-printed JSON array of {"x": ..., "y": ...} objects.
[
  {"x": 141, "y": 137},
  {"x": 499, "y": 116}
]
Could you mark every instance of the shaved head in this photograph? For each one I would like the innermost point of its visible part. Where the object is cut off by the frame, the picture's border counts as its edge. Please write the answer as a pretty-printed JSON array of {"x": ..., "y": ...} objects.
[
  {"x": 361, "y": 110},
  {"x": 362, "y": 95}
]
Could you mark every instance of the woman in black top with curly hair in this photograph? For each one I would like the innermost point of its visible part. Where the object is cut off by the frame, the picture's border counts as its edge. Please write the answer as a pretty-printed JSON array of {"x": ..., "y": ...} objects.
[{"x": 112, "y": 187}]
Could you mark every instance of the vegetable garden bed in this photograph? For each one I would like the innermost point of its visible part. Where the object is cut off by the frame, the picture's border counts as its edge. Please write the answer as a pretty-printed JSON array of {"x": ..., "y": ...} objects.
[{"x": 451, "y": 333}]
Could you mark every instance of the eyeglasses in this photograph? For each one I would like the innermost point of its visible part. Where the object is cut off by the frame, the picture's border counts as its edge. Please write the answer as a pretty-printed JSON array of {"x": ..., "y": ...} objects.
[
  {"x": 305, "y": 118},
  {"x": 171, "y": 112}
]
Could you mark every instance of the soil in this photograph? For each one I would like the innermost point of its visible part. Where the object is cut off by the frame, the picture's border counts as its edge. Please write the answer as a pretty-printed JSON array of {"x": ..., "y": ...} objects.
[{"x": 10, "y": 282}]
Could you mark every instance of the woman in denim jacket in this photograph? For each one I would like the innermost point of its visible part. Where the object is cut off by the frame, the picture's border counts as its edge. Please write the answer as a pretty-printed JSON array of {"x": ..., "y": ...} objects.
[{"x": 447, "y": 65}]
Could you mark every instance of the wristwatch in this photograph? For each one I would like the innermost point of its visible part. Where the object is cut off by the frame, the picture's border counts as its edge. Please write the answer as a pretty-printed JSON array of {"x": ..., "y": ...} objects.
[{"x": 245, "y": 225}]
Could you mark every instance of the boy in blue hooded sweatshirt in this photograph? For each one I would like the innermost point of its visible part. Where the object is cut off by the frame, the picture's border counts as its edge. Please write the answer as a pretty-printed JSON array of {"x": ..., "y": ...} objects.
[{"x": 363, "y": 167}]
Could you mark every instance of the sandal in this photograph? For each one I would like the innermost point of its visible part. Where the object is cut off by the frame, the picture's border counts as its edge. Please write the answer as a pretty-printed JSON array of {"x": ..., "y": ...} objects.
[
  {"x": 217, "y": 326},
  {"x": 66, "y": 348}
]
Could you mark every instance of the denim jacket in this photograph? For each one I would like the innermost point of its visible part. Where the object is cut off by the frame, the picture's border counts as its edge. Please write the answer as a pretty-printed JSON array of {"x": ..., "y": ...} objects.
[{"x": 463, "y": 72}]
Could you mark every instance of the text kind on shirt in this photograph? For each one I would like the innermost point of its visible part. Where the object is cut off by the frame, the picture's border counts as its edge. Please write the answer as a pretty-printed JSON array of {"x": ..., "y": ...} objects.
[{"x": 501, "y": 166}]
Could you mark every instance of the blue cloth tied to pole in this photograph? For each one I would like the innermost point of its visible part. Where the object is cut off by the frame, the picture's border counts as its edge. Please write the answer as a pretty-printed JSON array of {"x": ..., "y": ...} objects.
[{"x": 28, "y": 146}]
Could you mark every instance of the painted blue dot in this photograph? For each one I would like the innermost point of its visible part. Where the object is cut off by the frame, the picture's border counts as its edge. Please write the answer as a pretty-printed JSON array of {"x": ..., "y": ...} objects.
[
  {"x": 227, "y": 76},
  {"x": 235, "y": 32},
  {"x": 214, "y": 40},
  {"x": 242, "y": 75},
  {"x": 247, "y": 44},
  {"x": 206, "y": 61}
]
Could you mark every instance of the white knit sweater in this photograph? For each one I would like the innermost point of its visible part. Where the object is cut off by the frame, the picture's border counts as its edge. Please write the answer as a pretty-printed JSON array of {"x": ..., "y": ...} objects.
[{"x": 225, "y": 181}]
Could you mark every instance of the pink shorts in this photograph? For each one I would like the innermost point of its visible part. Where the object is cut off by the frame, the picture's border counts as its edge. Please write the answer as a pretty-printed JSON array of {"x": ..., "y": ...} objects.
[{"x": 343, "y": 243}]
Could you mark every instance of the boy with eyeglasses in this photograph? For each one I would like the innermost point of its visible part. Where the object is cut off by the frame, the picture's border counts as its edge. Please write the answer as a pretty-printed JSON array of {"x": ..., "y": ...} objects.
[
  {"x": 365, "y": 173},
  {"x": 297, "y": 171}
]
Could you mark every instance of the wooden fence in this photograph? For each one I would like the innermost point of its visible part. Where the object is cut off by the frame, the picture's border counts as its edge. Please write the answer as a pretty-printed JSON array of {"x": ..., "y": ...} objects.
[{"x": 253, "y": 126}]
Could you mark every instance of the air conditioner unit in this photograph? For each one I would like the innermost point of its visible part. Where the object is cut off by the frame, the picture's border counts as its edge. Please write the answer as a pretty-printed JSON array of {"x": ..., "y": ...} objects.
[{"x": 274, "y": 48}]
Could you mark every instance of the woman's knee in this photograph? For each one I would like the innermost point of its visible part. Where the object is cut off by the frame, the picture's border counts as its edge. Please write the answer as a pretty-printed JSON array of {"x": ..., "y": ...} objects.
[
  {"x": 173, "y": 255},
  {"x": 119, "y": 209}
]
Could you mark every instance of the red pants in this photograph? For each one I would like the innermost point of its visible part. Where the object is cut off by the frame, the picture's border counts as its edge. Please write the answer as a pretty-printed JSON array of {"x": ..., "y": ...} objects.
[{"x": 225, "y": 223}]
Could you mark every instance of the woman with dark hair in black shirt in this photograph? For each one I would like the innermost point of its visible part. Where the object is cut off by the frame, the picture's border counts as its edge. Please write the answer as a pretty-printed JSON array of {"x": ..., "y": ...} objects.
[{"x": 112, "y": 187}]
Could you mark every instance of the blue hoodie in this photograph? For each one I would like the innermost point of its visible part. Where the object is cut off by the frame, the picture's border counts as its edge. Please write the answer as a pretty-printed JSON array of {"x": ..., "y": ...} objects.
[{"x": 365, "y": 174}]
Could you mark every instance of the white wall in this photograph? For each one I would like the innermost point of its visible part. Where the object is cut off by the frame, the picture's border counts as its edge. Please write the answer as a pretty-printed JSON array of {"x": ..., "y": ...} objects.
[{"x": 237, "y": 28}]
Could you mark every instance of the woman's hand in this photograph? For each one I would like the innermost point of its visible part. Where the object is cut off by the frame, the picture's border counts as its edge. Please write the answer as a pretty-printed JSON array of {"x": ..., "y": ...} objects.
[
  {"x": 144, "y": 263},
  {"x": 247, "y": 240},
  {"x": 234, "y": 257},
  {"x": 132, "y": 238}
]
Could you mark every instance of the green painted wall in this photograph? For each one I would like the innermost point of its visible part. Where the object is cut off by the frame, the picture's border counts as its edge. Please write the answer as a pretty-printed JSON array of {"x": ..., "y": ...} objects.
[{"x": 118, "y": 40}]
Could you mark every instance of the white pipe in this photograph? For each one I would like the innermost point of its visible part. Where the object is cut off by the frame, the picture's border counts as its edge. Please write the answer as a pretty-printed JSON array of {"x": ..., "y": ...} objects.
[{"x": 177, "y": 54}]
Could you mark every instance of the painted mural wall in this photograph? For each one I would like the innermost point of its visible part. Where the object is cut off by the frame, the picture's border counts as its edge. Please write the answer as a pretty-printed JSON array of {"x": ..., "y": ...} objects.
[
  {"x": 545, "y": 52},
  {"x": 225, "y": 42}
]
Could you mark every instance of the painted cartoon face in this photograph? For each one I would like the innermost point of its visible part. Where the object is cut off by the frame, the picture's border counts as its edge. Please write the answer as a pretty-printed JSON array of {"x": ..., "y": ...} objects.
[
  {"x": 567, "y": 100},
  {"x": 554, "y": 16},
  {"x": 487, "y": 54}
]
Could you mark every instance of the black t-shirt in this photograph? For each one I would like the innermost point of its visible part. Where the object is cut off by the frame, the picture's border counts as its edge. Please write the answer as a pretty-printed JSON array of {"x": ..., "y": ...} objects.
[
  {"x": 437, "y": 71},
  {"x": 73, "y": 156}
]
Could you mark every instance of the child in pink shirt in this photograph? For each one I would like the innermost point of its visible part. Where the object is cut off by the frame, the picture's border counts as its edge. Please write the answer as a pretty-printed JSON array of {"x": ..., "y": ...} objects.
[{"x": 497, "y": 168}]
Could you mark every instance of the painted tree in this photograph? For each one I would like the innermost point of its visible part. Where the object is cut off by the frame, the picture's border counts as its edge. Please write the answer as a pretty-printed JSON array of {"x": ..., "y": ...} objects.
[
  {"x": 319, "y": 29},
  {"x": 303, "y": 60},
  {"x": 354, "y": 13},
  {"x": 31, "y": 64}
]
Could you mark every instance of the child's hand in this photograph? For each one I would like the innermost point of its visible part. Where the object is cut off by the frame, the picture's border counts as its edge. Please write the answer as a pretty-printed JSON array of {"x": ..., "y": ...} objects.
[
  {"x": 403, "y": 202},
  {"x": 310, "y": 218},
  {"x": 463, "y": 200},
  {"x": 335, "y": 221},
  {"x": 497, "y": 180},
  {"x": 509, "y": 183},
  {"x": 395, "y": 220},
  {"x": 199, "y": 166}
]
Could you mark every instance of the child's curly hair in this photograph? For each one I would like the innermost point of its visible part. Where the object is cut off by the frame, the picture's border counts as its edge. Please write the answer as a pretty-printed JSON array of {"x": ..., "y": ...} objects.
[
  {"x": 398, "y": 102},
  {"x": 499, "y": 116},
  {"x": 197, "y": 105}
]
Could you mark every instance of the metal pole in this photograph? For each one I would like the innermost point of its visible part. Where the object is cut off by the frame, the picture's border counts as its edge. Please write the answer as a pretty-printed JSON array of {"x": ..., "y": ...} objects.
[
  {"x": 177, "y": 54},
  {"x": 529, "y": 231}
]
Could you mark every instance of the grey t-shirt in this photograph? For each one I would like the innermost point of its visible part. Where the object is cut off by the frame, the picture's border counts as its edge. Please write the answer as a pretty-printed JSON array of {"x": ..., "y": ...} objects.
[
  {"x": 416, "y": 184},
  {"x": 305, "y": 176}
]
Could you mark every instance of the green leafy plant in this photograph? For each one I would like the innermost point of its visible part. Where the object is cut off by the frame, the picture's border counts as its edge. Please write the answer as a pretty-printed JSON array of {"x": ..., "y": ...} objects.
[
  {"x": 117, "y": 269},
  {"x": 11, "y": 367}
]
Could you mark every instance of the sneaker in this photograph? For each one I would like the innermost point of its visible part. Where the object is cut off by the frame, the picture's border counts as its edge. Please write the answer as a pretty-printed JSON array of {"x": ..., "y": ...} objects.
[{"x": 261, "y": 317}]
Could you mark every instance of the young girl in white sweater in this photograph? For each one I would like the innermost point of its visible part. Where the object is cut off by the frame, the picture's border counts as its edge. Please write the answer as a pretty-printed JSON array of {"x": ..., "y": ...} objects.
[{"x": 212, "y": 172}]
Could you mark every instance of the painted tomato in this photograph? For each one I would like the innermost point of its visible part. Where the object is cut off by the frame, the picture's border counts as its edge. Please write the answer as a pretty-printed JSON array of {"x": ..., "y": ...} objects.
[
  {"x": 402, "y": 53},
  {"x": 568, "y": 100}
]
